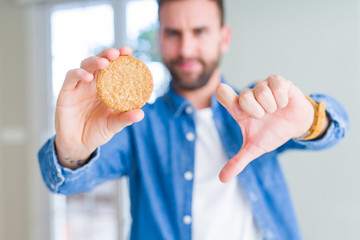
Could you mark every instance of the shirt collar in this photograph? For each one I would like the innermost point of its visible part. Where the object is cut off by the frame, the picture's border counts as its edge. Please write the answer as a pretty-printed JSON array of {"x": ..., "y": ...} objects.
[{"x": 178, "y": 103}]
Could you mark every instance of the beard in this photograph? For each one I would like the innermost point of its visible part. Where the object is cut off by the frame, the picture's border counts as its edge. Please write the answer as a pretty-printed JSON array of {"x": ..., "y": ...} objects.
[{"x": 183, "y": 81}]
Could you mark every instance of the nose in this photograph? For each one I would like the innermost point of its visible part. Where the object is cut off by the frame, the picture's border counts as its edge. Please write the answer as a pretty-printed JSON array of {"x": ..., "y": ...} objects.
[{"x": 187, "y": 46}]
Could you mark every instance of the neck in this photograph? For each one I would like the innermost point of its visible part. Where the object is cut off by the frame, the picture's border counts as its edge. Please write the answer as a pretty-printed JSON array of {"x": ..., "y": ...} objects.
[{"x": 201, "y": 98}]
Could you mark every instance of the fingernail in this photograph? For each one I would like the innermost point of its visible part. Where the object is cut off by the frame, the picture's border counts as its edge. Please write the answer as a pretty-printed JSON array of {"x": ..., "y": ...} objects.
[{"x": 104, "y": 63}]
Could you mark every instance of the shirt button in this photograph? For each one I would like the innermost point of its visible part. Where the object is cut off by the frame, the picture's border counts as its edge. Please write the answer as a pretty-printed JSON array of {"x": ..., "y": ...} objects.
[
  {"x": 252, "y": 196},
  {"x": 270, "y": 235},
  {"x": 187, "y": 219},
  {"x": 188, "y": 110},
  {"x": 190, "y": 136},
  {"x": 188, "y": 176},
  {"x": 52, "y": 186}
]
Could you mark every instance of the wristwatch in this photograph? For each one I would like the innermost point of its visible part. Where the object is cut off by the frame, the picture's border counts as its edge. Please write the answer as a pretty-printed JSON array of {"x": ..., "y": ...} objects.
[{"x": 320, "y": 114}]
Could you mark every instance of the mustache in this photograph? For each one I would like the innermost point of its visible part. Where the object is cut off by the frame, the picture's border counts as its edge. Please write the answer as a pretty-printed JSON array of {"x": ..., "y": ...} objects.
[{"x": 181, "y": 60}]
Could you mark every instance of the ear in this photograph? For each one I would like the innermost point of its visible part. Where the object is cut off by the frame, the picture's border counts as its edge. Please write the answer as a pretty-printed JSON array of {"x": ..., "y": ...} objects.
[{"x": 226, "y": 38}]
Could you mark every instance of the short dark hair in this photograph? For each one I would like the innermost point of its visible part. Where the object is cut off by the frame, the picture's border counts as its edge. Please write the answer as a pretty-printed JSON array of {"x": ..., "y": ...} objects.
[{"x": 219, "y": 3}]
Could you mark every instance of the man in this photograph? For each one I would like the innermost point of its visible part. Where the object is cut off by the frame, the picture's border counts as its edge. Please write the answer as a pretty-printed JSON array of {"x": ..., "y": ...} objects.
[{"x": 175, "y": 151}]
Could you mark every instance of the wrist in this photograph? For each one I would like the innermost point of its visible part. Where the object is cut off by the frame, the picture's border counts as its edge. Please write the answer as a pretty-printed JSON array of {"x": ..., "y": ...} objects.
[{"x": 72, "y": 157}]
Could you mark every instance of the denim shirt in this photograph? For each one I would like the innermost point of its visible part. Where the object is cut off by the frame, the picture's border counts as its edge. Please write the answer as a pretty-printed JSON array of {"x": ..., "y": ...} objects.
[{"x": 155, "y": 154}]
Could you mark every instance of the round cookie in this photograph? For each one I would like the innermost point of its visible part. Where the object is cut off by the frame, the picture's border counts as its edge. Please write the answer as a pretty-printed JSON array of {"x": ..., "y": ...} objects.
[{"x": 125, "y": 84}]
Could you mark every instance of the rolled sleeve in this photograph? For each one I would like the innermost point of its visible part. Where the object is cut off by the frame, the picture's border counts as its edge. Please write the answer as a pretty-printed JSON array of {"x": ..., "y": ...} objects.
[{"x": 53, "y": 173}]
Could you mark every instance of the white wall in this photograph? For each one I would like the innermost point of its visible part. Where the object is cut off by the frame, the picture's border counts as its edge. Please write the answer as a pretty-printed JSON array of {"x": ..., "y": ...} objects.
[
  {"x": 13, "y": 158},
  {"x": 316, "y": 45},
  {"x": 23, "y": 198}
]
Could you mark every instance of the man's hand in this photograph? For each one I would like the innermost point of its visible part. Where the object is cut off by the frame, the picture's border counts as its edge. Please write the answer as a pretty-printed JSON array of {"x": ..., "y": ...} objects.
[
  {"x": 269, "y": 115},
  {"x": 83, "y": 122}
]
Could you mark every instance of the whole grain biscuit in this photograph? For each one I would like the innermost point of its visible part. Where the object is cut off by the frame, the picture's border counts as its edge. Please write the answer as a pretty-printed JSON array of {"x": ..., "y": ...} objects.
[{"x": 125, "y": 84}]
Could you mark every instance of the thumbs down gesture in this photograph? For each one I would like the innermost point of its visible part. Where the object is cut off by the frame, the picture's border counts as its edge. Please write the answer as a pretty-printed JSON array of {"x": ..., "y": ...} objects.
[{"x": 269, "y": 115}]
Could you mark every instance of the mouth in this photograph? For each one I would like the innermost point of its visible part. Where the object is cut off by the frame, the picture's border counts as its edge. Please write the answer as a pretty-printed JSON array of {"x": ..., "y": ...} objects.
[{"x": 188, "y": 65}]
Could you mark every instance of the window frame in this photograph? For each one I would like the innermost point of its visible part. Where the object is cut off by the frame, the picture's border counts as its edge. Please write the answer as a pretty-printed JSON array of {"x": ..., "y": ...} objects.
[{"x": 43, "y": 107}]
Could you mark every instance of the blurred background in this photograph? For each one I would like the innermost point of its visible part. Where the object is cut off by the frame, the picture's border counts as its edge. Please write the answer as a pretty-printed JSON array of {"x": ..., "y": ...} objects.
[{"x": 315, "y": 44}]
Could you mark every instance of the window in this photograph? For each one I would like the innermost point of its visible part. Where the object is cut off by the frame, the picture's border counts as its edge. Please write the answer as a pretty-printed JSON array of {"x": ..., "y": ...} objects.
[
  {"x": 142, "y": 36},
  {"x": 79, "y": 30}
]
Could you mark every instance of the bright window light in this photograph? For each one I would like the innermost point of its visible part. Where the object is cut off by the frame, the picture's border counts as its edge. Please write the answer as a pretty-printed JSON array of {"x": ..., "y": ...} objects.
[
  {"x": 77, "y": 32},
  {"x": 141, "y": 28},
  {"x": 140, "y": 15}
]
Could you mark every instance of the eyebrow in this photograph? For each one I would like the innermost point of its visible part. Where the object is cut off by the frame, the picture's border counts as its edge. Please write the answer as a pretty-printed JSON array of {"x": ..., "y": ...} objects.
[
  {"x": 201, "y": 28},
  {"x": 169, "y": 29}
]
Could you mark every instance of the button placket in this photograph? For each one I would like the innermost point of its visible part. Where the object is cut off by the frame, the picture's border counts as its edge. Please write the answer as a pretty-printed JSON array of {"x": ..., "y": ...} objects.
[{"x": 187, "y": 168}]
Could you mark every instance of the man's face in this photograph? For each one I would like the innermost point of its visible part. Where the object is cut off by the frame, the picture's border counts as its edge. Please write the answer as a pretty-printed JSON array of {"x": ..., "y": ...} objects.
[{"x": 191, "y": 41}]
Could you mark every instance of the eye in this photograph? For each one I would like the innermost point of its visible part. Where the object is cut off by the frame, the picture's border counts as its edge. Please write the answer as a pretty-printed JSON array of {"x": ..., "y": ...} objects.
[
  {"x": 172, "y": 33},
  {"x": 199, "y": 31}
]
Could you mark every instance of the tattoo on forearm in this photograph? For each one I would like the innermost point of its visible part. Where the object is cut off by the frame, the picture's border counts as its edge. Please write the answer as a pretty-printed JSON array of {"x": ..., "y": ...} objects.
[{"x": 78, "y": 162}]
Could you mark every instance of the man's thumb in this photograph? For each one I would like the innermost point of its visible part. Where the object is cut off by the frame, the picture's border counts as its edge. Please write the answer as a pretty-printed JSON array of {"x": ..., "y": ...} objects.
[
  {"x": 118, "y": 121},
  {"x": 234, "y": 166}
]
